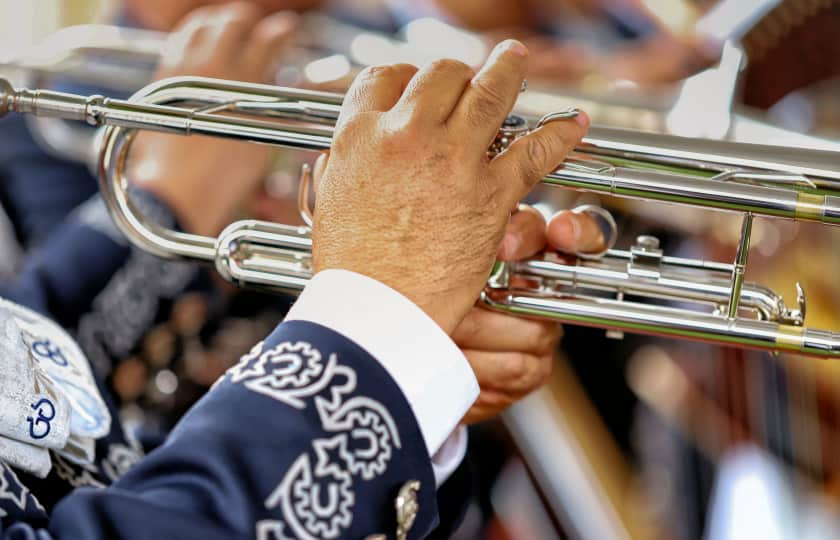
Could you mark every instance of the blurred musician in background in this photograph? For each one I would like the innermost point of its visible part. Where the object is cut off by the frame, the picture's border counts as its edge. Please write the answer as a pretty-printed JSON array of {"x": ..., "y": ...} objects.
[
  {"x": 39, "y": 190},
  {"x": 579, "y": 41},
  {"x": 186, "y": 323}
]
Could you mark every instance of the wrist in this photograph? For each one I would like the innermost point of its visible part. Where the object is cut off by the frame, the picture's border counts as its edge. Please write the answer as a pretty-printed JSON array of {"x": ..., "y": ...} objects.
[
  {"x": 439, "y": 306},
  {"x": 191, "y": 209}
]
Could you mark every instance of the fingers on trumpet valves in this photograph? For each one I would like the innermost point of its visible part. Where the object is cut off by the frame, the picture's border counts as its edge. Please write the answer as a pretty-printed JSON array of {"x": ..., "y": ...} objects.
[
  {"x": 524, "y": 236},
  {"x": 532, "y": 156},
  {"x": 435, "y": 90},
  {"x": 587, "y": 231},
  {"x": 262, "y": 56},
  {"x": 376, "y": 88},
  {"x": 232, "y": 41},
  {"x": 491, "y": 93}
]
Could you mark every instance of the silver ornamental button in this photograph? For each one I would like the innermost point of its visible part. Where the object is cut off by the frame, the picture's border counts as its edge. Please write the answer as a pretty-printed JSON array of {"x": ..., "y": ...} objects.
[{"x": 407, "y": 508}]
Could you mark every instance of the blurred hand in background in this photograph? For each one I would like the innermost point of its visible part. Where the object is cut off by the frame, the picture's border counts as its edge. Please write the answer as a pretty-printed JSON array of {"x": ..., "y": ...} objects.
[{"x": 205, "y": 179}]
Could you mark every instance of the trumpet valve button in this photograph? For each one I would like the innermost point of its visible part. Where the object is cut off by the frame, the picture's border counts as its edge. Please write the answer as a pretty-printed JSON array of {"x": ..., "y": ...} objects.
[
  {"x": 512, "y": 128},
  {"x": 615, "y": 334},
  {"x": 645, "y": 257},
  {"x": 647, "y": 242}
]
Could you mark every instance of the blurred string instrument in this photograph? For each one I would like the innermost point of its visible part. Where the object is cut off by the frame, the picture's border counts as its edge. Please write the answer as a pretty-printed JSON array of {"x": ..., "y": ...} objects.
[
  {"x": 719, "y": 400},
  {"x": 755, "y": 180}
]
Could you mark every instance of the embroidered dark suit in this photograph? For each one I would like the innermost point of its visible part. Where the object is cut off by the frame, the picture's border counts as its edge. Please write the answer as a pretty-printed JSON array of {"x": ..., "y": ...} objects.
[{"x": 306, "y": 437}]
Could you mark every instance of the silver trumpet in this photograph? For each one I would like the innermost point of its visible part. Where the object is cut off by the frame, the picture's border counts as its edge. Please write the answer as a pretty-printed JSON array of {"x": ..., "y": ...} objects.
[{"x": 639, "y": 290}]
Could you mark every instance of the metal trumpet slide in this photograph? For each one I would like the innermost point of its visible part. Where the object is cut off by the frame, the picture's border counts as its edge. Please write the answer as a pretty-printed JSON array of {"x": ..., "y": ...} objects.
[{"x": 754, "y": 180}]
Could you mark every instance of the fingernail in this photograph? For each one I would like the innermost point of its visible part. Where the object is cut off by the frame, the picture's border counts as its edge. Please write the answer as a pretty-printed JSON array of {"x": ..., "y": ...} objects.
[
  {"x": 564, "y": 232},
  {"x": 575, "y": 228},
  {"x": 582, "y": 119},
  {"x": 711, "y": 47},
  {"x": 510, "y": 245},
  {"x": 286, "y": 19},
  {"x": 513, "y": 46}
]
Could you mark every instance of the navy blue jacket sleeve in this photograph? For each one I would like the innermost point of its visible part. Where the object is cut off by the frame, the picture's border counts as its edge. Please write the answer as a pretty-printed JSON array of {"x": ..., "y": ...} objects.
[
  {"x": 37, "y": 190},
  {"x": 306, "y": 437},
  {"x": 61, "y": 278},
  {"x": 64, "y": 275}
]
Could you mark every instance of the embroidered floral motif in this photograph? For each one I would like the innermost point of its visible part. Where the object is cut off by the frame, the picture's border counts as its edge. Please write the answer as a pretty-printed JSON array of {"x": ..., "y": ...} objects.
[
  {"x": 75, "y": 475},
  {"x": 119, "y": 460},
  {"x": 316, "y": 497},
  {"x": 288, "y": 372}
]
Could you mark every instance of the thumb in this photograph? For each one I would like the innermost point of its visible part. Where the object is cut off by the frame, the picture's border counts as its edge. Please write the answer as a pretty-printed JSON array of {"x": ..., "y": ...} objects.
[{"x": 529, "y": 158}]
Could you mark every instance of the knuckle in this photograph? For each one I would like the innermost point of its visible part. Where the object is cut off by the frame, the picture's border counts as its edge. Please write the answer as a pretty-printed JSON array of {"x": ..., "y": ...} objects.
[
  {"x": 240, "y": 12},
  {"x": 382, "y": 71},
  {"x": 547, "y": 336},
  {"x": 450, "y": 66},
  {"x": 528, "y": 372},
  {"x": 370, "y": 73},
  {"x": 533, "y": 371},
  {"x": 489, "y": 102},
  {"x": 518, "y": 367},
  {"x": 538, "y": 154}
]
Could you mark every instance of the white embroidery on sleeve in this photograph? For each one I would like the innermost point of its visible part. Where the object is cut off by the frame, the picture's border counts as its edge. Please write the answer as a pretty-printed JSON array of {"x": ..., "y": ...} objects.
[{"x": 315, "y": 496}]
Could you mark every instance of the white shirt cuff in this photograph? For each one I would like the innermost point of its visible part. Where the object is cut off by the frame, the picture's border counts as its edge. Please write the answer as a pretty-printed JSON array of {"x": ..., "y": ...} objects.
[
  {"x": 429, "y": 368},
  {"x": 450, "y": 455}
]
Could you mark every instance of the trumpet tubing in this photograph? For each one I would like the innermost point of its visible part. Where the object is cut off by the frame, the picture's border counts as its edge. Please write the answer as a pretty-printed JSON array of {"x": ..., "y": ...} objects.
[{"x": 755, "y": 180}]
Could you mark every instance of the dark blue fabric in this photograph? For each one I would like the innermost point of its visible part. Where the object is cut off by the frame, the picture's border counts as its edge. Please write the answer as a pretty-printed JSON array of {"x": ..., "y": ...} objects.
[
  {"x": 61, "y": 278},
  {"x": 37, "y": 190},
  {"x": 303, "y": 397}
]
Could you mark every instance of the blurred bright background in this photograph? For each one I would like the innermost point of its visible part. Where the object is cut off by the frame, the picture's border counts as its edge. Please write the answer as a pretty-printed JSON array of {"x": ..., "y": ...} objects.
[{"x": 29, "y": 22}]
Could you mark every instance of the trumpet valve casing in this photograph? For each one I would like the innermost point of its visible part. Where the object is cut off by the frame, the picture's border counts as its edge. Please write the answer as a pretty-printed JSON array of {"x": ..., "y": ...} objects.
[{"x": 513, "y": 127}]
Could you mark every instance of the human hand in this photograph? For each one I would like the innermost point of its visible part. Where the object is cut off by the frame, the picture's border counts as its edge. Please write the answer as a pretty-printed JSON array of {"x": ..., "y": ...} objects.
[
  {"x": 513, "y": 356},
  {"x": 554, "y": 61},
  {"x": 410, "y": 197},
  {"x": 661, "y": 59},
  {"x": 205, "y": 179}
]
